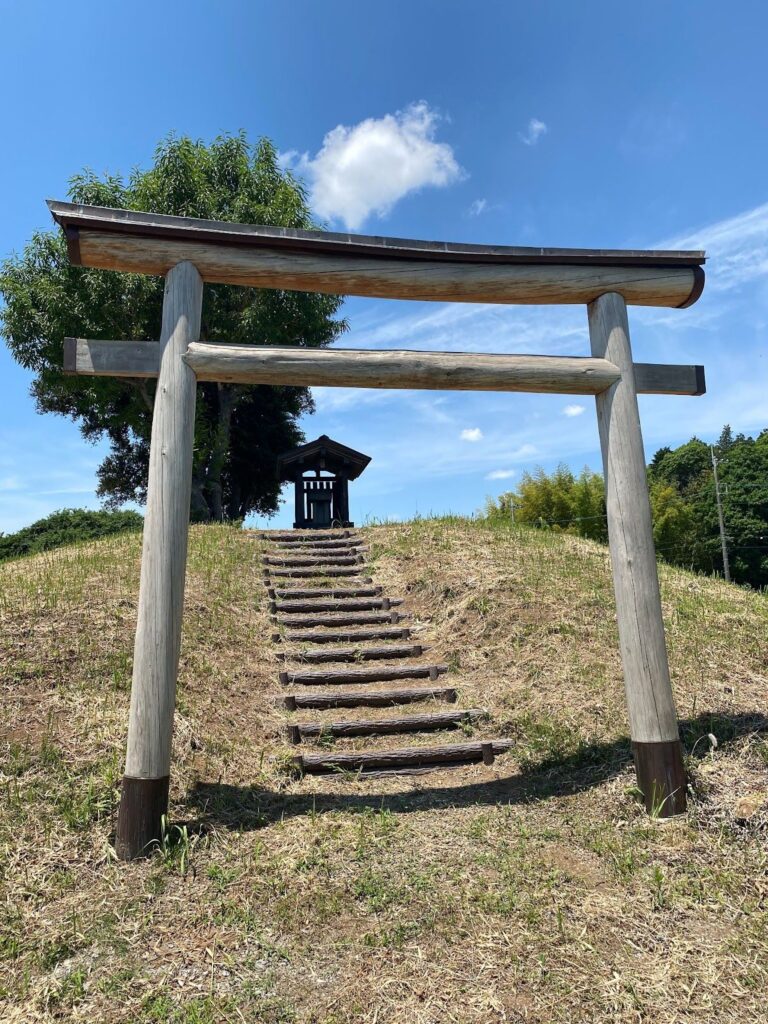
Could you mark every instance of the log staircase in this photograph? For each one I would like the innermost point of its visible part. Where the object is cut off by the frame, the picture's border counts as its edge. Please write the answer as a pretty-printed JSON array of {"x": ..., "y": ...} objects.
[{"x": 341, "y": 641}]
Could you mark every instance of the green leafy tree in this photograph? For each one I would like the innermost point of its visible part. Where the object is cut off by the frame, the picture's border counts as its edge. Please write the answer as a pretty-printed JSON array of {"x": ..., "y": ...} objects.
[
  {"x": 685, "y": 467},
  {"x": 239, "y": 430},
  {"x": 67, "y": 526},
  {"x": 683, "y": 506},
  {"x": 558, "y": 501},
  {"x": 743, "y": 471},
  {"x": 674, "y": 524}
]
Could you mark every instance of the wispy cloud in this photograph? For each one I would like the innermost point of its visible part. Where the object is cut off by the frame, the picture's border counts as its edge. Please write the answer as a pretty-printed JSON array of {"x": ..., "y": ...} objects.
[
  {"x": 573, "y": 410},
  {"x": 737, "y": 248},
  {"x": 366, "y": 168},
  {"x": 500, "y": 474},
  {"x": 533, "y": 132},
  {"x": 472, "y": 434},
  {"x": 477, "y": 207}
]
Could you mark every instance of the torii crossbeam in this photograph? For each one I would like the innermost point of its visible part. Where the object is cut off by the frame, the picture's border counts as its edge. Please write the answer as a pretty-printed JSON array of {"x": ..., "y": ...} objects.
[{"x": 189, "y": 252}]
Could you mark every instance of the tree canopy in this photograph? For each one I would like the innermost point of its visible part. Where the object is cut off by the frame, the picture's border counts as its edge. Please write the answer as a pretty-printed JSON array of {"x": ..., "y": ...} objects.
[
  {"x": 682, "y": 492},
  {"x": 239, "y": 429}
]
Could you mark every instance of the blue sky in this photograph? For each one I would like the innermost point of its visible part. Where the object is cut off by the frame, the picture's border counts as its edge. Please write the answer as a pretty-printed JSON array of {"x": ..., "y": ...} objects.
[{"x": 595, "y": 124}]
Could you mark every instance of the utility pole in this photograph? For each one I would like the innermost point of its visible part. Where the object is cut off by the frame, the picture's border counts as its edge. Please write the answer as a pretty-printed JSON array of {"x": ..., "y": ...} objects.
[{"x": 723, "y": 541}]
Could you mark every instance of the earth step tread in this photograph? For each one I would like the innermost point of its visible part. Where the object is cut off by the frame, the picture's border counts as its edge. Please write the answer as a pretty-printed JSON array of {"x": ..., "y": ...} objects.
[
  {"x": 384, "y": 726},
  {"x": 354, "y": 604},
  {"x": 368, "y": 698},
  {"x": 343, "y": 619},
  {"x": 355, "y": 653},
  {"x": 378, "y": 673},
  {"x": 330, "y": 592},
  {"x": 348, "y": 636},
  {"x": 403, "y": 757}
]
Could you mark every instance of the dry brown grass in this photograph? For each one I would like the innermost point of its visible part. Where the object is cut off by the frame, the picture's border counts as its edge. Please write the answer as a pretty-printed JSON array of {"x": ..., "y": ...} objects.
[{"x": 534, "y": 890}]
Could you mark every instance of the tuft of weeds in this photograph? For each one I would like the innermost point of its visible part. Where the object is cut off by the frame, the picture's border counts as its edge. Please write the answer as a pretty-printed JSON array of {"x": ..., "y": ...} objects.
[{"x": 175, "y": 846}]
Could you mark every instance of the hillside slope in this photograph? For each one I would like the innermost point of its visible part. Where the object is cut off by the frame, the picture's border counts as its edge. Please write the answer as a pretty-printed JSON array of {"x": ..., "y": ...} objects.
[{"x": 531, "y": 890}]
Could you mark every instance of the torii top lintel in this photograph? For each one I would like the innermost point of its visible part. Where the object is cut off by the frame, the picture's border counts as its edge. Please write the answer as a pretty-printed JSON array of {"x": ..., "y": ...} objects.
[{"x": 338, "y": 263}]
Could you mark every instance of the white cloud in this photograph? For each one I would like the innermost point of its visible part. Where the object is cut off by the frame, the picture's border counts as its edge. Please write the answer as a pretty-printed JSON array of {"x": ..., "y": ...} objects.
[
  {"x": 533, "y": 132},
  {"x": 500, "y": 474},
  {"x": 573, "y": 410},
  {"x": 477, "y": 207},
  {"x": 368, "y": 167},
  {"x": 472, "y": 434}
]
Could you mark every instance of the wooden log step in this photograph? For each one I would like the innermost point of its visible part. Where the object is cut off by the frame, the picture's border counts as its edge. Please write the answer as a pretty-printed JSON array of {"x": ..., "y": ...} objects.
[
  {"x": 376, "y": 674},
  {"x": 296, "y": 592},
  {"x": 347, "y": 636},
  {"x": 355, "y": 604},
  {"x": 301, "y": 563},
  {"x": 320, "y": 545},
  {"x": 324, "y": 553},
  {"x": 384, "y": 726},
  {"x": 368, "y": 698},
  {"x": 313, "y": 536},
  {"x": 354, "y": 653},
  {"x": 342, "y": 619},
  {"x": 320, "y": 570},
  {"x": 403, "y": 757},
  {"x": 353, "y": 543}
]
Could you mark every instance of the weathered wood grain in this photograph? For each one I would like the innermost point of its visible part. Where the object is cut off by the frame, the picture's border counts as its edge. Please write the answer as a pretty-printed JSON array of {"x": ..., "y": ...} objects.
[
  {"x": 369, "y": 698},
  {"x": 164, "y": 554},
  {"x": 322, "y": 570},
  {"x": 332, "y": 654},
  {"x": 382, "y": 759},
  {"x": 370, "y": 368},
  {"x": 332, "y": 619},
  {"x": 293, "y": 593},
  {"x": 382, "y": 268},
  {"x": 338, "y": 604},
  {"x": 385, "y": 726},
  {"x": 111, "y": 358},
  {"x": 308, "y": 538},
  {"x": 343, "y": 676},
  {"x": 652, "y": 714},
  {"x": 350, "y": 546},
  {"x": 462, "y": 371},
  {"x": 348, "y": 636}
]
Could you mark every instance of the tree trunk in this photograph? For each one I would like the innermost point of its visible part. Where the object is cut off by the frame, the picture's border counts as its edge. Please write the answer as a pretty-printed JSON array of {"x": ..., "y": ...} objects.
[
  {"x": 199, "y": 510},
  {"x": 220, "y": 450}
]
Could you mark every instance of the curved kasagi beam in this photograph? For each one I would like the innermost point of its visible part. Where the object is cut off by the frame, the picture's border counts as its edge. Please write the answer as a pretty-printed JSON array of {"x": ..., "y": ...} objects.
[{"x": 346, "y": 264}]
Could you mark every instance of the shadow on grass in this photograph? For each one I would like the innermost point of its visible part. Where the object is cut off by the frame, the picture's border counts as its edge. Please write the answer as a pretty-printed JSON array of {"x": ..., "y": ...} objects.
[{"x": 245, "y": 808}]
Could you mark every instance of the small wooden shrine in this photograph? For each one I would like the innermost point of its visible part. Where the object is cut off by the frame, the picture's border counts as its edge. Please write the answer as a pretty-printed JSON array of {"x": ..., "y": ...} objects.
[{"x": 321, "y": 471}]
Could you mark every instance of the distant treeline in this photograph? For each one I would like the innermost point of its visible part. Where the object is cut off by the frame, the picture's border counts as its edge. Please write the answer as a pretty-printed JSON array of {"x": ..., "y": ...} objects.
[
  {"x": 66, "y": 527},
  {"x": 682, "y": 489}
]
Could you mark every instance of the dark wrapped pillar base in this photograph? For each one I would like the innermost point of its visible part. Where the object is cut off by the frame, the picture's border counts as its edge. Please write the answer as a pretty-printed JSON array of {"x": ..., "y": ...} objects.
[
  {"x": 143, "y": 802},
  {"x": 661, "y": 777}
]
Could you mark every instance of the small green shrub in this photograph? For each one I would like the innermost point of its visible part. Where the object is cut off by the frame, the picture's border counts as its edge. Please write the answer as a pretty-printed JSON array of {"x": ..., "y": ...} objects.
[{"x": 67, "y": 526}]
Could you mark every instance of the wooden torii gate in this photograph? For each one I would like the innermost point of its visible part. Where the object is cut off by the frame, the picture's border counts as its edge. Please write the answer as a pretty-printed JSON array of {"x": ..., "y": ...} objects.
[{"x": 189, "y": 252}]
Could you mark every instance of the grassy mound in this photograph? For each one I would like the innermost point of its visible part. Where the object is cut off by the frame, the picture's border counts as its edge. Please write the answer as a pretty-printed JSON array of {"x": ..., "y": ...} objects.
[
  {"x": 535, "y": 889},
  {"x": 67, "y": 526}
]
